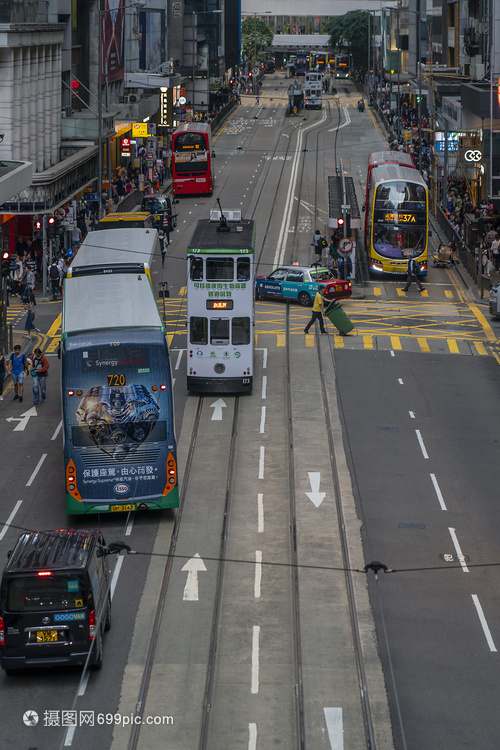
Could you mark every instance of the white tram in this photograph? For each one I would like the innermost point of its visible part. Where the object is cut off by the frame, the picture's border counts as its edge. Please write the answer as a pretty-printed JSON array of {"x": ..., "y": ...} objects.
[{"x": 220, "y": 305}]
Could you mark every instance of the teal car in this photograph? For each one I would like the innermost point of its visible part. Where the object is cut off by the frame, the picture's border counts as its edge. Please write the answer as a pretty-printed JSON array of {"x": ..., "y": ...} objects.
[{"x": 300, "y": 284}]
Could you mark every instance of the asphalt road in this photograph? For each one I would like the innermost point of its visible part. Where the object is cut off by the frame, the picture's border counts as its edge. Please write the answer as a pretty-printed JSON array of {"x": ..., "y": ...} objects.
[{"x": 419, "y": 417}]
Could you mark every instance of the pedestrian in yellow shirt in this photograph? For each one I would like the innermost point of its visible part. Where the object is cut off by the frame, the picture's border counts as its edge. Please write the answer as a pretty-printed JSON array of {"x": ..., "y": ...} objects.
[{"x": 317, "y": 311}]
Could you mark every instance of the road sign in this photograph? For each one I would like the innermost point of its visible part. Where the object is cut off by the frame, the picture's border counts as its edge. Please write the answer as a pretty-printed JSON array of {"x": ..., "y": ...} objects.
[
  {"x": 60, "y": 213},
  {"x": 345, "y": 246},
  {"x": 150, "y": 156}
]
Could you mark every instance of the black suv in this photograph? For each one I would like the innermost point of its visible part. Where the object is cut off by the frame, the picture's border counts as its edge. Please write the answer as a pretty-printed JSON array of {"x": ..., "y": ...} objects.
[{"x": 55, "y": 601}]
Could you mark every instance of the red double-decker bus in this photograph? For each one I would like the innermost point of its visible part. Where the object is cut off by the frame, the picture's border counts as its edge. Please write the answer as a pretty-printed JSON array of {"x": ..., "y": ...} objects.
[{"x": 192, "y": 159}]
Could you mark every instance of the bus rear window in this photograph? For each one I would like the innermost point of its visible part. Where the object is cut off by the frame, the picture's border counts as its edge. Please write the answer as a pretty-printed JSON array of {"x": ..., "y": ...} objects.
[{"x": 45, "y": 594}]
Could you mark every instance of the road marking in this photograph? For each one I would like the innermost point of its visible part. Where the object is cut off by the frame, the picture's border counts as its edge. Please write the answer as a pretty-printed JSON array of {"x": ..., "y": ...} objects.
[
  {"x": 438, "y": 492},
  {"x": 261, "y": 462},
  {"x": 315, "y": 496},
  {"x": 258, "y": 574},
  {"x": 262, "y": 419},
  {"x": 280, "y": 339},
  {"x": 52, "y": 332},
  {"x": 217, "y": 406},
  {"x": 339, "y": 341},
  {"x": 264, "y": 386},
  {"x": 179, "y": 358},
  {"x": 255, "y": 659},
  {"x": 37, "y": 469},
  {"x": 182, "y": 291},
  {"x": 334, "y": 727},
  {"x": 8, "y": 521},
  {"x": 396, "y": 342},
  {"x": 458, "y": 550},
  {"x": 424, "y": 346},
  {"x": 484, "y": 624},
  {"x": 480, "y": 348},
  {"x": 368, "y": 342},
  {"x": 412, "y": 414},
  {"x": 401, "y": 293},
  {"x": 193, "y": 566},
  {"x": 483, "y": 322},
  {"x": 421, "y": 443},
  {"x": 69, "y": 736},
  {"x": 23, "y": 419},
  {"x": 130, "y": 524},
  {"x": 400, "y": 381},
  {"x": 377, "y": 291},
  {"x": 263, "y": 349},
  {"x": 116, "y": 573},
  {"x": 252, "y": 737},
  {"x": 260, "y": 512},
  {"x": 310, "y": 339},
  {"x": 448, "y": 293},
  {"x": 452, "y": 346},
  {"x": 56, "y": 431}
]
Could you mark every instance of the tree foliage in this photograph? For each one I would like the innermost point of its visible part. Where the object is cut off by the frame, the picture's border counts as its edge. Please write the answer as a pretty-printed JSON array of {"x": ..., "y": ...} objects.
[
  {"x": 255, "y": 34},
  {"x": 349, "y": 34}
]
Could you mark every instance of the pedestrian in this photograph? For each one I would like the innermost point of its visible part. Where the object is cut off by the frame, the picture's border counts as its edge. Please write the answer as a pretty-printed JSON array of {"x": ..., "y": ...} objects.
[
  {"x": 413, "y": 270},
  {"x": 30, "y": 282},
  {"x": 495, "y": 252},
  {"x": 3, "y": 372},
  {"x": 39, "y": 371},
  {"x": 76, "y": 237},
  {"x": 334, "y": 250},
  {"x": 17, "y": 366},
  {"x": 54, "y": 275},
  {"x": 31, "y": 317},
  {"x": 319, "y": 242},
  {"x": 317, "y": 310}
]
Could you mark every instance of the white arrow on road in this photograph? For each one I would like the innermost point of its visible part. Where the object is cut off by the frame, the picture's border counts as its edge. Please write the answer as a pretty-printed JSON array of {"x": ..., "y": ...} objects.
[
  {"x": 218, "y": 406},
  {"x": 193, "y": 566},
  {"x": 334, "y": 727},
  {"x": 315, "y": 496},
  {"x": 23, "y": 419}
]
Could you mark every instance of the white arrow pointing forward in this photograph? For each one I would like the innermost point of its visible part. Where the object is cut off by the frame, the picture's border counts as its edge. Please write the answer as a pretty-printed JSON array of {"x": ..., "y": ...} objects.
[
  {"x": 315, "y": 496},
  {"x": 218, "y": 406},
  {"x": 23, "y": 419},
  {"x": 193, "y": 566}
]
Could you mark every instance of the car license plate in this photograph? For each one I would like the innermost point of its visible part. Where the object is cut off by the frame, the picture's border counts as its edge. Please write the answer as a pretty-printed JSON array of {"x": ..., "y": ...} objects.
[
  {"x": 122, "y": 507},
  {"x": 45, "y": 636}
]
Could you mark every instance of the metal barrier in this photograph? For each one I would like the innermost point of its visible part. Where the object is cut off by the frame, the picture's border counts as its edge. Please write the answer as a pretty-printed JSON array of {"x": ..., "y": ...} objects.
[{"x": 467, "y": 256}]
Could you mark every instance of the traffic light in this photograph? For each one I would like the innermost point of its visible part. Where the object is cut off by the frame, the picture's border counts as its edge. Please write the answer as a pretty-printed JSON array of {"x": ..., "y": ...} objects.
[
  {"x": 249, "y": 73},
  {"x": 38, "y": 229},
  {"x": 52, "y": 227},
  {"x": 5, "y": 264}
]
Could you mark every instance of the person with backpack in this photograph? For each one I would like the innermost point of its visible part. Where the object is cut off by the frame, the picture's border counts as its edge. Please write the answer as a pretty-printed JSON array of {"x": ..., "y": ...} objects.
[
  {"x": 320, "y": 243},
  {"x": 413, "y": 271},
  {"x": 17, "y": 366},
  {"x": 39, "y": 370},
  {"x": 54, "y": 276}
]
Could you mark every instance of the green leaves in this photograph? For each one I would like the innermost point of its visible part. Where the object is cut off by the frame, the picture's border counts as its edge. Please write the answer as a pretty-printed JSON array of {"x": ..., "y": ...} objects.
[
  {"x": 349, "y": 34},
  {"x": 255, "y": 34}
]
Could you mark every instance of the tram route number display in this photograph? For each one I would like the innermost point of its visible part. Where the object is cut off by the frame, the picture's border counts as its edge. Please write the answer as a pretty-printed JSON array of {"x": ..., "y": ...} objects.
[{"x": 219, "y": 304}]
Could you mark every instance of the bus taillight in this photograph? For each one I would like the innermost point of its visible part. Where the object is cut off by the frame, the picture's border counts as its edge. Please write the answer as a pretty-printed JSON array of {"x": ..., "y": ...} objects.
[
  {"x": 171, "y": 474},
  {"x": 71, "y": 486}
]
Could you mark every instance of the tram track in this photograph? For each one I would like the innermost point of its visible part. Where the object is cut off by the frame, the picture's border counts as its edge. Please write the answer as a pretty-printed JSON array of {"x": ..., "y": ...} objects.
[{"x": 364, "y": 697}]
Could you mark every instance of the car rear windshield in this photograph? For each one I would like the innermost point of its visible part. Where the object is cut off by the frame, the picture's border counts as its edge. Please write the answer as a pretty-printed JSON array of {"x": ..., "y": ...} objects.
[
  {"x": 321, "y": 275},
  {"x": 45, "y": 593}
]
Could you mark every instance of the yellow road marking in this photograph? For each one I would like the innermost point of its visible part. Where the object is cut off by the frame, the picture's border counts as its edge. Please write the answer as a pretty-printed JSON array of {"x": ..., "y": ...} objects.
[
  {"x": 182, "y": 291},
  {"x": 448, "y": 293},
  {"x": 55, "y": 327},
  {"x": 425, "y": 293},
  {"x": 480, "y": 348},
  {"x": 483, "y": 323},
  {"x": 377, "y": 291},
  {"x": 280, "y": 339},
  {"x": 423, "y": 344},
  {"x": 453, "y": 280},
  {"x": 401, "y": 293},
  {"x": 396, "y": 342},
  {"x": 452, "y": 346},
  {"x": 170, "y": 337},
  {"x": 310, "y": 339},
  {"x": 368, "y": 342},
  {"x": 339, "y": 341},
  {"x": 52, "y": 347}
]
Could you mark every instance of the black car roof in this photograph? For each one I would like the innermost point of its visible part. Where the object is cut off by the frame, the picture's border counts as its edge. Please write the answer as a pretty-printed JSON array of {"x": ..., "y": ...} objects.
[{"x": 58, "y": 550}]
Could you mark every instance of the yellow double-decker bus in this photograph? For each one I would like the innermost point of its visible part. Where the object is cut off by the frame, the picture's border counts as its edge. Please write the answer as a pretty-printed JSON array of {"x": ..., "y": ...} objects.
[{"x": 397, "y": 226}]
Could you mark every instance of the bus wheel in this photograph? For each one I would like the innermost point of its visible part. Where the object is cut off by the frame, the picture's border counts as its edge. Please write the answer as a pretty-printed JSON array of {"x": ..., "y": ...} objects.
[{"x": 304, "y": 299}]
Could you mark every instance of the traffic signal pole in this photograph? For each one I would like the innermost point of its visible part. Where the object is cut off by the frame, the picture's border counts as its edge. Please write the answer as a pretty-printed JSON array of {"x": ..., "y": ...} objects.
[{"x": 44, "y": 259}]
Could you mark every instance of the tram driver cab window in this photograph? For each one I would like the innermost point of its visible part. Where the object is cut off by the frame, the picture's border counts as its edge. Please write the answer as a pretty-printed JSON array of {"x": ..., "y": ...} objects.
[
  {"x": 196, "y": 269},
  {"x": 220, "y": 269},
  {"x": 243, "y": 269},
  {"x": 198, "y": 330},
  {"x": 219, "y": 331}
]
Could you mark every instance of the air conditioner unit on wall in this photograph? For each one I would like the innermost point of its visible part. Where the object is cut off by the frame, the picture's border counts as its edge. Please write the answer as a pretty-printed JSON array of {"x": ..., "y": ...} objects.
[{"x": 130, "y": 99}]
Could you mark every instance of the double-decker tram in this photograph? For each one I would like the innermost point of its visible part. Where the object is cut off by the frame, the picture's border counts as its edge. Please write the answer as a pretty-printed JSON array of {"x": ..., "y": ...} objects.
[
  {"x": 118, "y": 422},
  {"x": 398, "y": 219},
  {"x": 192, "y": 171},
  {"x": 220, "y": 305},
  {"x": 377, "y": 159}
]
